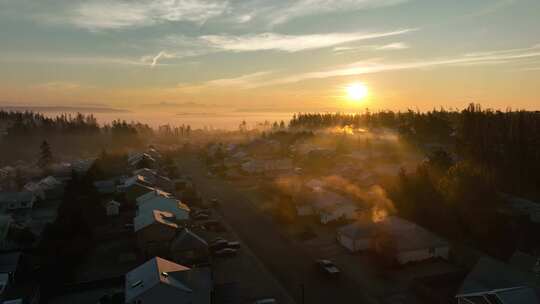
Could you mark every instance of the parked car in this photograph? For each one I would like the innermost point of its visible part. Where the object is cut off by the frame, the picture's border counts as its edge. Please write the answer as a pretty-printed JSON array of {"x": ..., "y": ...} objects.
[
  {"x": 217, "y": 239},
  {"x": 214, "y": 225},
  {"x": 225, "y": 252},
  {"x": 265, "y": 301},
  {"x": 235, "y": 245},
  {"x": 200, "y": 216},
  {"x": 218, "y": 245},
  {"x": 327, "y": 267}
]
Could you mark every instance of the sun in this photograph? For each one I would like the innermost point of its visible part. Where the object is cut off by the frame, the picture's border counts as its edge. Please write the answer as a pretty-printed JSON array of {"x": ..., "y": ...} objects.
[{"x": 356, "y": 91}]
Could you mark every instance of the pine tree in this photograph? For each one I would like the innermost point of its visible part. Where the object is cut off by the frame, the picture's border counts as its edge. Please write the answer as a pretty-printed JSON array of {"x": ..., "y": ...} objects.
[{"x": 45, "y": 157}]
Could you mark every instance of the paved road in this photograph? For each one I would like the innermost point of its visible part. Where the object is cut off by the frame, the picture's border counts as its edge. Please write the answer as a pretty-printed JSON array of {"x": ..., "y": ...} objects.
[{"x": 286, "y": 259}]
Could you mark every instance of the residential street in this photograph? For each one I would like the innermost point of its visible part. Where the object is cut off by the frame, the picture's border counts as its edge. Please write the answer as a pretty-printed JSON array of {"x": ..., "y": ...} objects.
[{"x": 286, "y": 259}]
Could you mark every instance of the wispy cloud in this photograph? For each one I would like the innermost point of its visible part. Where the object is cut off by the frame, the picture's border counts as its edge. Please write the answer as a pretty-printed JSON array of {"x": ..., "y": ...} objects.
[
  {"x": 58, "y": 86},
  {"x": 315, "y": 7},
  {"x": 376, "y": 66},
  {"x": 290, "y": 43},
  {"x": 394, "y": 46},
  {"x": 98, "y": 15},
  {"x": 247, "y": 81},
  {"x": 494, "y": 7},
  {"x": 154, "y": 60},
  {"x": 70, "y": 59}
]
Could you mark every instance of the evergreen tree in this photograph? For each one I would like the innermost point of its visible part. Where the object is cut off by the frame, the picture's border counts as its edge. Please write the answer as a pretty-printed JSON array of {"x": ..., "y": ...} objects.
[{"x": 45, "y": 157}]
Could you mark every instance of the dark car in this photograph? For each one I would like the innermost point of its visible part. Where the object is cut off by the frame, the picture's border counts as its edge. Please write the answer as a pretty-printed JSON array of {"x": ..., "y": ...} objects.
[
  {"x": 327, "y": 267},
  {"x": 217, "y": 239},
  {"x": 214, "y": 225},
  {"x": 218, "y": 245},
  {"x": 200, "y": 216},
  {"x": 234, "y": 245},
  {"x": 226, "y": 252}
]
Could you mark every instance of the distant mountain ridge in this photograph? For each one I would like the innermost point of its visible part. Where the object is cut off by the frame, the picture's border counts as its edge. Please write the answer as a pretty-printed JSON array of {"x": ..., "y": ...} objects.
[{"x": 61, "y": 109}]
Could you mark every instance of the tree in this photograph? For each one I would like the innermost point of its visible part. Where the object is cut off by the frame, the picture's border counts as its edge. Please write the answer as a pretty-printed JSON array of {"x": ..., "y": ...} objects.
[{"x": 45, "y": 157}]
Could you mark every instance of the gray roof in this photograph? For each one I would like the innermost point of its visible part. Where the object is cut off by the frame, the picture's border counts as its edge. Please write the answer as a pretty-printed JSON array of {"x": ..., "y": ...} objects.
[
  {"x": 105, "y": 186},
  {"x": 524, "y": 262},
  {"x": 489, "y": 274},
  {"x": 160, "y": 271},
  {"x": 10, "y": 197},
  {"x": 9, "y": 262},
  {"x": 358, "y": 230},
  {"x": 187, "y": 239}
]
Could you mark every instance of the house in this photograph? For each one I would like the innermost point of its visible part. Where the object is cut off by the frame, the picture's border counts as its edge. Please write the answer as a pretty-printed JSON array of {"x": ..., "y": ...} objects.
[
  {"x": 404, "y": 241},
  {"x": 112, "y": 208},
  {"x": 141, "y": 160},
  {"x": 82, "y": 166},
  {"x": 134, "y": 187},
  {"x": 5, "y": 224},
  {"x": 523, "y": 207},
  {"x": 493, "y": 281},
  {"x": 171, "y": 205},
  {"x": 267, "y": 166},
  {"x": 162, "y": 281},
  {"x": 156, "y": 180},
  {"x": 48, "y": 188},
  {"x": 153, "y": 194},
  {"x": 330, "y": 206},
  {"x": 17, "y": 200},
  {"x": 154, "y": 230},
  {"x": 10, "y": 266},
  {"x": 525, "y": 262},
  {"x": 187, "y": 247},
  {"x": 105, "y": 187},
  {"x": 357, "y": 236}
]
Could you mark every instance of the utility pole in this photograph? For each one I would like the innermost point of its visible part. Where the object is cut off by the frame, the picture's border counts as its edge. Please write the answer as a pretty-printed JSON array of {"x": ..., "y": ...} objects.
[{"x": 302, "y": 293}]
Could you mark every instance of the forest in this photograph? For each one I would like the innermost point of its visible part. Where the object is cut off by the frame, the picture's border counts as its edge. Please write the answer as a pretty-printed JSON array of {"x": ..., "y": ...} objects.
[
  {"x": 505, "y": 144},
  {"x": 21, "y": 134}
]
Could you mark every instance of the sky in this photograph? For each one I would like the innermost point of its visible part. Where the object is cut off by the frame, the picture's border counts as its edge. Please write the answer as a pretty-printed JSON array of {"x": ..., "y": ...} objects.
[{"x": 262, "y": 55}]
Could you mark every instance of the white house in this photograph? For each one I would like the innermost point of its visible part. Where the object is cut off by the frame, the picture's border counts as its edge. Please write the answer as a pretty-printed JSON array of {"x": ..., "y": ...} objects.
[
  {"x": 405, "y": 242},
  {"x": 112, "y": 208},
  {"x": 161, "y": 281},
  {"x": 330, "y": 206},
  {"x": 357, "y": 236}
]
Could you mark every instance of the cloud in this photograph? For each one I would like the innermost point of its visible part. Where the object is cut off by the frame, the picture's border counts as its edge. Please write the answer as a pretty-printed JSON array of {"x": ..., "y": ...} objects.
[
  {"x": 101, "y": 15},
  {"x": 58, "y": 86},
  {"x": 376, "y": 66},
  {"x": 316, "y": 7},
  {"x": 98, "y": 15},
  {"x": 393, "y": 46},
  {"x": 290, "y": 43},
  {"x": 69, "y": 59},
  {"x": 245, "y": 81},
  {"x": 494, "y": 7},
  {"x": 154, "y": 60}
]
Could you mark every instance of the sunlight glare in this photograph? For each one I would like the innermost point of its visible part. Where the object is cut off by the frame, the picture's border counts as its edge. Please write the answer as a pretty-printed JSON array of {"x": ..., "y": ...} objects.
[{"x": 356, "y": 91}]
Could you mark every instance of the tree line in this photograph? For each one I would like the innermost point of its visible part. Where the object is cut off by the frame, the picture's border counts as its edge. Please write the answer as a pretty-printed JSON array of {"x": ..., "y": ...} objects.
[
  {"x": 507, "y": 143},
  {"x": 68, "y": 135}
]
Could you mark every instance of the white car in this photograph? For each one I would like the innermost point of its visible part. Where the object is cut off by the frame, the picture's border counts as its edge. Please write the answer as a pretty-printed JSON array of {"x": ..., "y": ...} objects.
[{"x": 327, "y": 267}]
